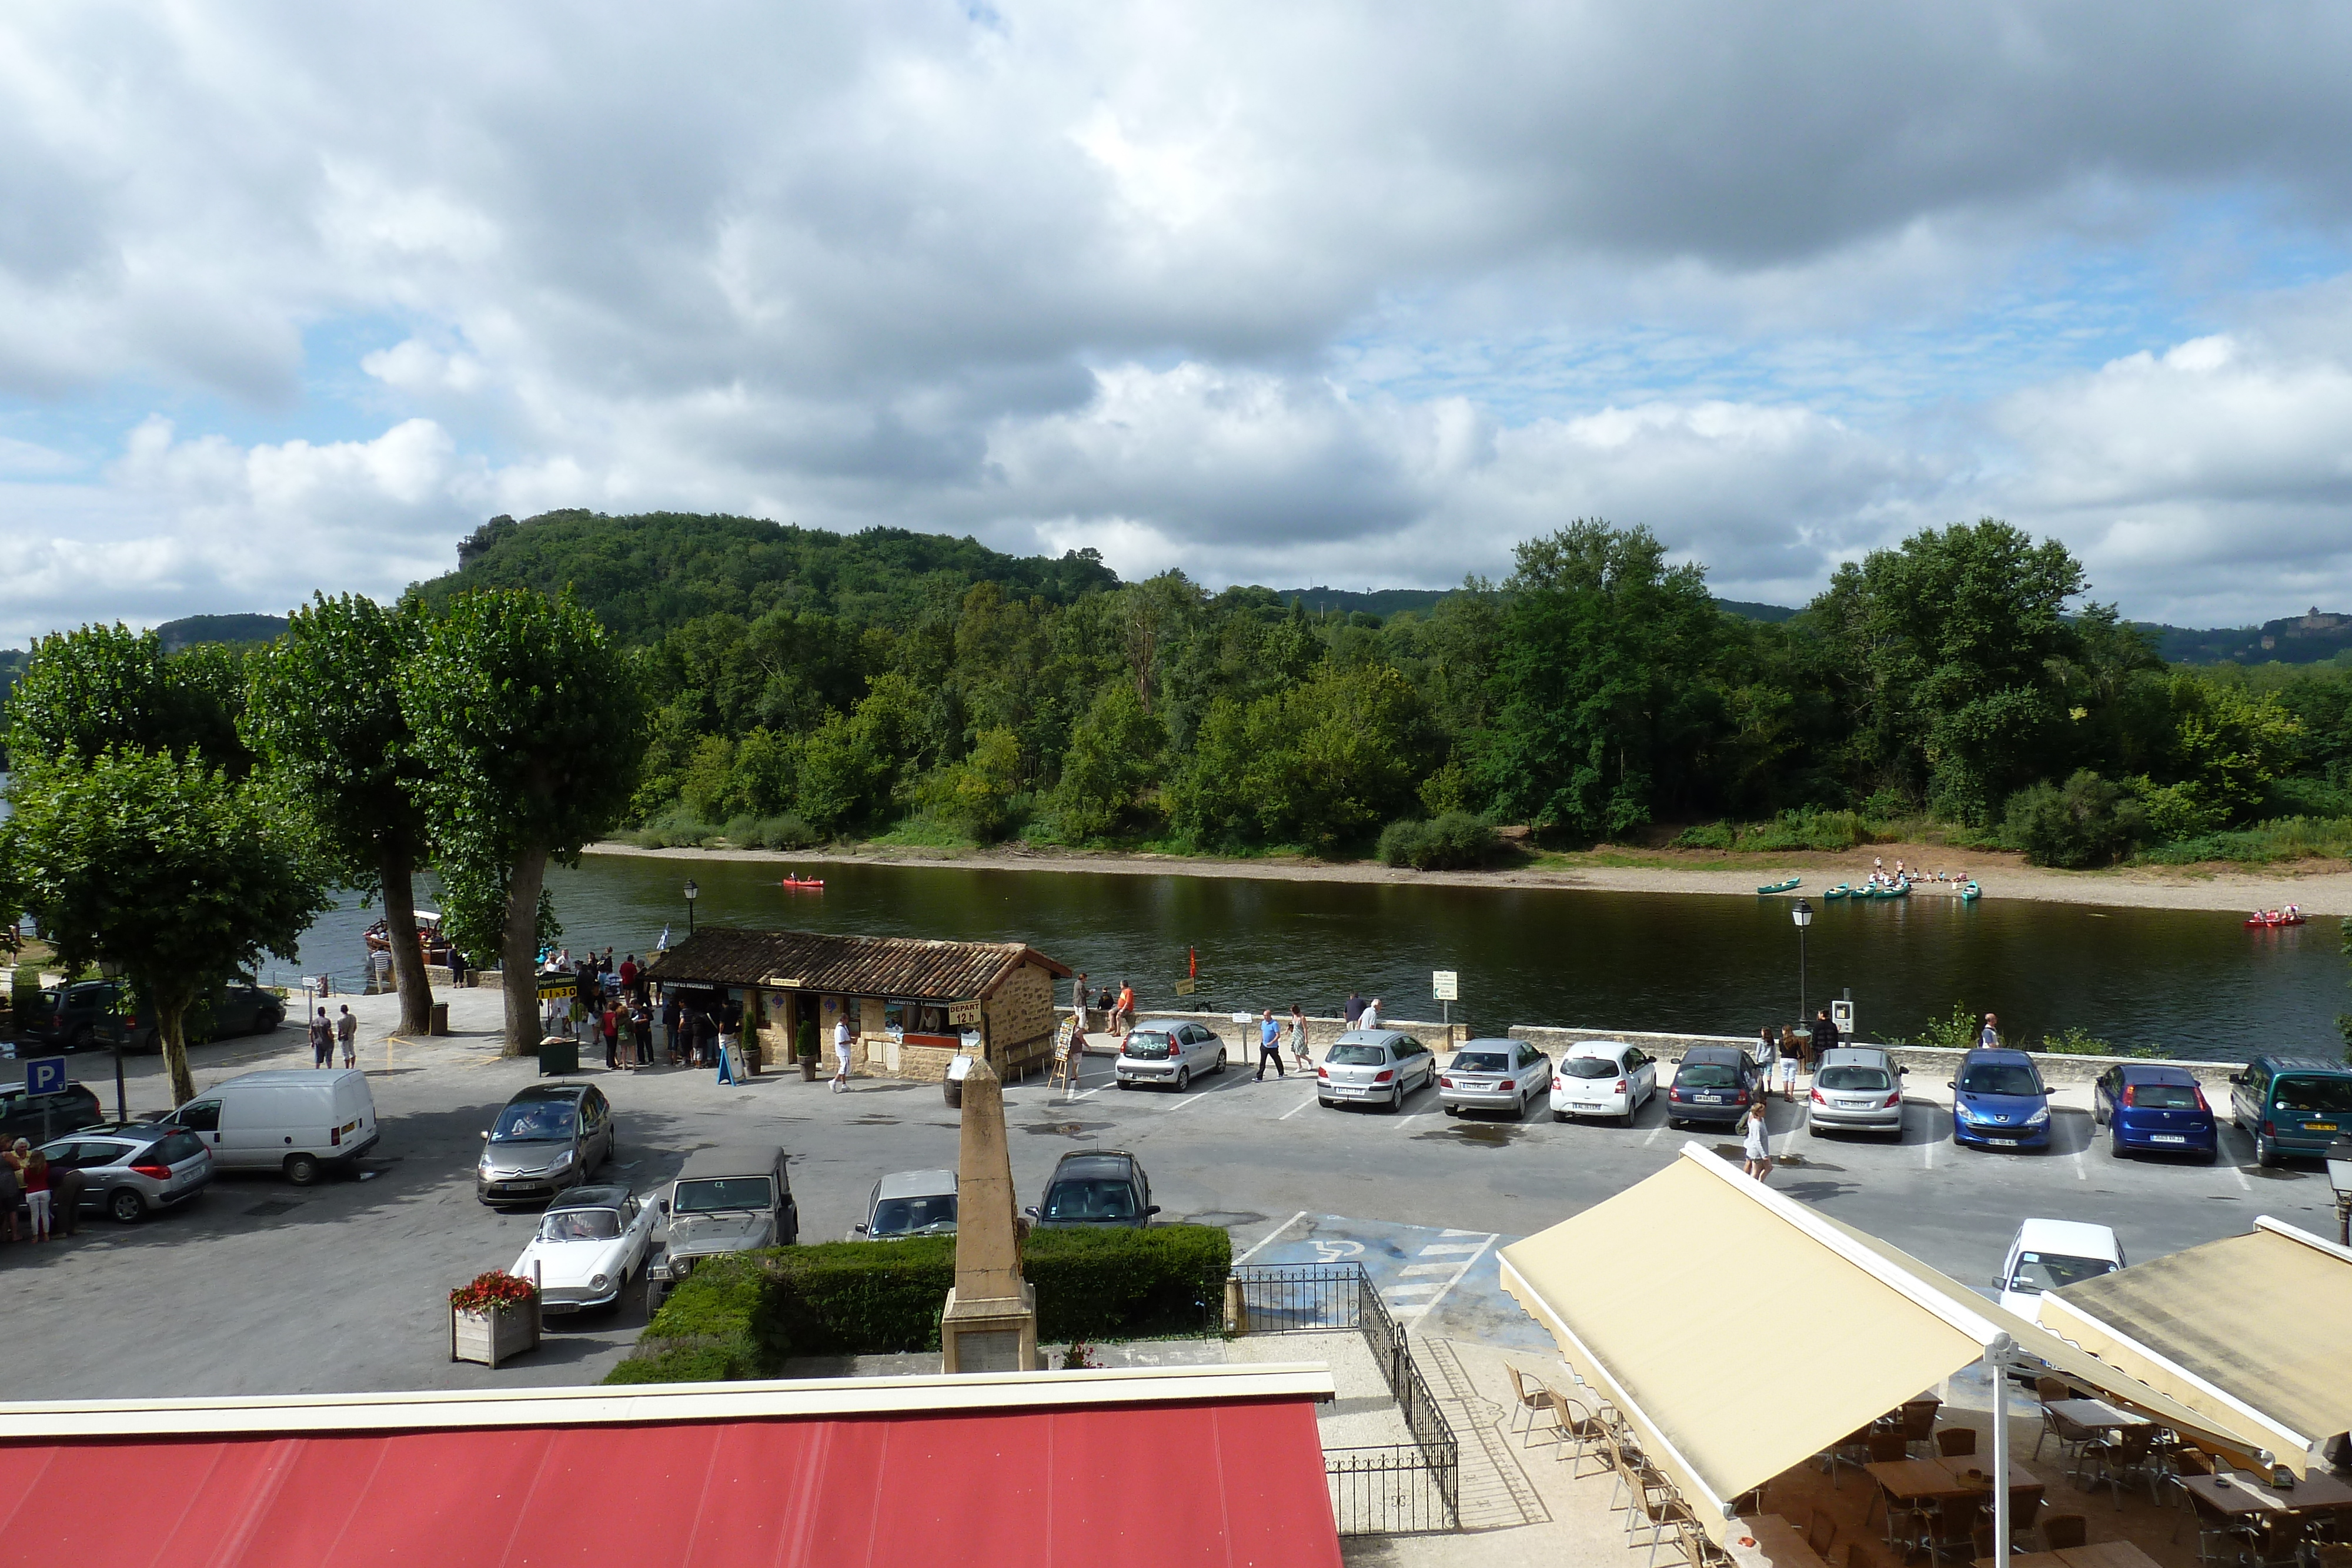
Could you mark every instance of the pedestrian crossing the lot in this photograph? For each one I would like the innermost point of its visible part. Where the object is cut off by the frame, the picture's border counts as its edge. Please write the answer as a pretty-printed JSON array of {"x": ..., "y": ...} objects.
[{"x": 1432, "y": 1279}]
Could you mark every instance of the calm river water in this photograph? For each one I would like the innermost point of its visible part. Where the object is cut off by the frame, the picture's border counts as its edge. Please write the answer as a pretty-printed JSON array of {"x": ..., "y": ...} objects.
[{"x": 2197, "y": 984}]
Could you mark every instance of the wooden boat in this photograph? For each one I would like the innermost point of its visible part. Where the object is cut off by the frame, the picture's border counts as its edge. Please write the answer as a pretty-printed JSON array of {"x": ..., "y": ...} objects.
[
  {"x": 1787, "y": 886},
  {"x": 1840, "y": 890},
  {"x": 815, "y": 882}
]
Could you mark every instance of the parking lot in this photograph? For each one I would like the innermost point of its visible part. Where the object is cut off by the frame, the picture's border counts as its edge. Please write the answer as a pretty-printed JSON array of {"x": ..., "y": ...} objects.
[{"x": 259, "y": 1286}]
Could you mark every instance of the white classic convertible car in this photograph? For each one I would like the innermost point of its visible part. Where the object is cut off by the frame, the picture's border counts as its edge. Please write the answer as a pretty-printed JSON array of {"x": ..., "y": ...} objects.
[{"x": 592, "y": 1241}]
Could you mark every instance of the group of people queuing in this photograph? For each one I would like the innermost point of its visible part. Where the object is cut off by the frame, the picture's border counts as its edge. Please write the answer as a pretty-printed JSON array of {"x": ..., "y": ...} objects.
[{"x": 49, "y": 1195}]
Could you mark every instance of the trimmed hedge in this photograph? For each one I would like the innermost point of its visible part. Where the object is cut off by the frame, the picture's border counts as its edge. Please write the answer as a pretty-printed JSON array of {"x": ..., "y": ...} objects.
[{"x": 738, "y": 1317}]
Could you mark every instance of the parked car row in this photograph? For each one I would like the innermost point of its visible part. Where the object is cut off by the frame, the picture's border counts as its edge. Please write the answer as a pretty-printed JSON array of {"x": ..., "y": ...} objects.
[{"x": 93, "y": 1014}]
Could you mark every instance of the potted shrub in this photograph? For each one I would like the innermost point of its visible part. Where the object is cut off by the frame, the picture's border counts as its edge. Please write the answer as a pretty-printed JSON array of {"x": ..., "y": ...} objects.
[
  {"x": 804, "y": 1048},
  {"x": 493, "y": 1318}
]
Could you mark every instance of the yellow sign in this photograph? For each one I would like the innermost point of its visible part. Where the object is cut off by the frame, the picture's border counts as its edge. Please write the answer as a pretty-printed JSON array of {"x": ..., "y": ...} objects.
[
  {"x": 963, "y": 1014},
  {"x": 779, "y": 983},
  {"x": 1186, "y": 988}
]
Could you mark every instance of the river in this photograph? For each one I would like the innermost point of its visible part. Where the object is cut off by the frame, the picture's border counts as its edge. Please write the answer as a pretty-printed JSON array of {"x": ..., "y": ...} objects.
[{"x": 2193, "y": 983}]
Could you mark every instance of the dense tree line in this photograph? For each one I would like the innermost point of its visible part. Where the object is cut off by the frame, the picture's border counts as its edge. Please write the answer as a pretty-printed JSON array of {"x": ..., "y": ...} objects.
[{"x": 804, "y": 686}]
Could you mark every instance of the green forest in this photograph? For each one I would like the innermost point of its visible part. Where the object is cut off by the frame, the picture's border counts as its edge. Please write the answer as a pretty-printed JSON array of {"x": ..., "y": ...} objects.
[{"x": 805, "y": 687}]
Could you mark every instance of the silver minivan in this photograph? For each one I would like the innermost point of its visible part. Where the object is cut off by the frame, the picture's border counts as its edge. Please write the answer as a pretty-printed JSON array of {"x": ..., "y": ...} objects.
[
  {"x": 1856, "y": 1088},
  {"x": 1494, "y": 1075},
  {"x": 1167, "y": 1053},
  {"x": 1375, "y": 1067}
]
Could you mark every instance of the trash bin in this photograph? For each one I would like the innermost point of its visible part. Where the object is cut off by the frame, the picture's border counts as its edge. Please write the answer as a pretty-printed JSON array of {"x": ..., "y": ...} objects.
[
  {"x": 953, "y": 1083},
  {"x": 440, "y": 1018},
  {"x": 558, "y": 1055}
]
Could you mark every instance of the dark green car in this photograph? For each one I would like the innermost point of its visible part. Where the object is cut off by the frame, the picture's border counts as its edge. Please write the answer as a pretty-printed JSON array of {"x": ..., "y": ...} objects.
[
  {"x": 2291, "y": 1105},
  {"x": 88, "y": 1014}
]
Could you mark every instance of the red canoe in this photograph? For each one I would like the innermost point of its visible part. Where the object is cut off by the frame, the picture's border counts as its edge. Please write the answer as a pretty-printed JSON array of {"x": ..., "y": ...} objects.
[
  {"x": 2264, "y": 922},
  {"x": 816, "y": 881}
]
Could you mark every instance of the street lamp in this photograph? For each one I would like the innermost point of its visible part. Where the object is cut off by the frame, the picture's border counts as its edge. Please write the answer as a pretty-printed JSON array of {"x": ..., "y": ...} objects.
[
  {"x": 112, "y": 971},
  {"x": 2339, "y": 1177},
  {"x": 1802, "y": 913},
  {"x": 692, "y": 893}
]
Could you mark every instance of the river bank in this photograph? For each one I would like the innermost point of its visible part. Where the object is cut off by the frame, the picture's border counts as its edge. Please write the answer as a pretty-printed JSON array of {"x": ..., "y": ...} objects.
[{"x": 2318, "y": 892}]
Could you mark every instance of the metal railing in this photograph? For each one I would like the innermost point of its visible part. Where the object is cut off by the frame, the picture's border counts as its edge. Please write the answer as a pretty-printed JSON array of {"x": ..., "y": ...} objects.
[{"x": 1381, "y": 1489}]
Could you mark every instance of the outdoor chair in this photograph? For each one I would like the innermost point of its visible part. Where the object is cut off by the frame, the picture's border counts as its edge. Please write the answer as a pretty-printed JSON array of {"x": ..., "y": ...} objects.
[
  {"x": 2021, "y": 1520},
  {"x": 2176, "y": 1461},
  {"x": 1917, "y": 1422},
  {"x": 2218, "y": 1539},
  {"x": 1887, "y": 1446},
  {"x": 2127, "y": 1457},
  {"x": 1579, "y": 1428},
  {"x": 1953, "y": 1529},
  {"x": 1821, "y": 1532},
  {"x": 2062, "y": 1531},
  {"x": 1851, "y": 1450},
  {"x": 1531, "y": 1405},
  {"x": 1673, "y": 1519},
  {"x": 1956, "y": 1442},
  {"x": 2070, "y": 1436},
  {"x": 1691, "y": 1540},
  {"x": 1858, "y": 1555},
  {"x": 2050, "y": 1389},
  {"x": 1649, "y": 1501}
]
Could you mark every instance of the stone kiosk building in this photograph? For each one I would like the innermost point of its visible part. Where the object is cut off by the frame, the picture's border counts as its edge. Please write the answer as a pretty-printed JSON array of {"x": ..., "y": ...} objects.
[{"x": 908, "y": 1001}]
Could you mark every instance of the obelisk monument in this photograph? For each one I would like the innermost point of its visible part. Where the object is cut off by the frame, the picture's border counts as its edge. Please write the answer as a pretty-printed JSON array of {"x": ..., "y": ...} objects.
[{"x": 990, "y": 1323}]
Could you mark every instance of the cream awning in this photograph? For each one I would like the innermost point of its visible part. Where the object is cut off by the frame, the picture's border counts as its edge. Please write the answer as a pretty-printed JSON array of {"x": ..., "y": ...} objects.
[
  {"x": 1660, "y": 1296},
  {"x": 2254, "y": 1331}
]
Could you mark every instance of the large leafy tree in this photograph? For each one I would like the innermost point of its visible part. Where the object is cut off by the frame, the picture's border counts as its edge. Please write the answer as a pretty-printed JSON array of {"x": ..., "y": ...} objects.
[
  {"x": 1602, "y": 694},
  {"x": 166, "y": 865},
  {"x": 528, "y": 726},
  {"x": 107, "y": 686},
  {"x": 1951, "y": 653},
  {"x": 324, "y": 712}
]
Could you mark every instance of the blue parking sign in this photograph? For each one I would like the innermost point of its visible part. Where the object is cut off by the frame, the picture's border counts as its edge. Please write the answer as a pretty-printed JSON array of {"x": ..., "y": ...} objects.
[{"x": 44, "y": 1074}]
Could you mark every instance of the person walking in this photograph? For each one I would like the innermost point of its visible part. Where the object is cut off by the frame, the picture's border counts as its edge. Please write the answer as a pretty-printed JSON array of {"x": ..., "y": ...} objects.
[
  {"x": 1793, "y": 1055},
  {"x": 1825, "y": 1033},
  {"x": 322, "y": 1041},
  {"x": 1352, "y": 1010},
  {"x": 1989, "y": 1037},
  {"x": 37, "y": 1188},
  {"x": 1759, "y": 1148},
  {"x": 1122, "y": 1012},
  {"x": 347, "y": 1035},
  {"x": 727, "y": 1047},
  {"x": 840, "y": 1052},
  {"x": 641, "y": 1024},
  {"x": 12, "y": 1185},
  {"x": 1269, "y": 1045},
  {"x": 1767, "y": 1052},
  {"x": 610, "y": 1025},
  {"x": 1078, "y": 1005},
  {"x": 1299, "y": 1053},
  {"x": 1371, "y": 1017}
]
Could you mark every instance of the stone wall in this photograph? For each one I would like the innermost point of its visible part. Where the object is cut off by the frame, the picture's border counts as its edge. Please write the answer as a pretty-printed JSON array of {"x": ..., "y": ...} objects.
[
  {"x": 1243, "y": 1037},
  {"x": 1020, "y": 1022},
  {"x": 1933, "y": 1064}
]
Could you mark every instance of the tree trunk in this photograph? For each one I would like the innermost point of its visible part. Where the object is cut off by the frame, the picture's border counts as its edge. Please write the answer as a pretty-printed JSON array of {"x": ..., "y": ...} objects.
[
  {"x": 399, "y": 878},
  {"x": 170, "y": 1028},
  {"x": 519, "y": 955}
]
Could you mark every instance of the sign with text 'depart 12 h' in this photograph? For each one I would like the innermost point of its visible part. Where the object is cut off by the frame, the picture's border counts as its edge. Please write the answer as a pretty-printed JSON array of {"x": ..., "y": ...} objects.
[{"x": 1444, "y": 987}]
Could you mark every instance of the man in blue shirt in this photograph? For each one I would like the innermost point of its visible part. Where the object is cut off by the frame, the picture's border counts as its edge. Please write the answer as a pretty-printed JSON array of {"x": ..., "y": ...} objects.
[{"x": 1269, "y": 1045}]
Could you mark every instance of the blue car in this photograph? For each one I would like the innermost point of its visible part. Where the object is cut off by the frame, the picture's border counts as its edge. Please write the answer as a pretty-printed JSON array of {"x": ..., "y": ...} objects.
[
  {"x": 2160, "y": 1110},
  {"x": 1999, "y": 1102}
]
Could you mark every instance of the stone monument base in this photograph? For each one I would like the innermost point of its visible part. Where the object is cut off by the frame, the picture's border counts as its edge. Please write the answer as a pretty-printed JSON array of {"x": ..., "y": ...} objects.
[{"x": 997, "y": 1334}]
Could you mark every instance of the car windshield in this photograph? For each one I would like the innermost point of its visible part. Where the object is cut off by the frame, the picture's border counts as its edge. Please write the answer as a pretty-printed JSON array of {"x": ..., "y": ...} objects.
[
  {"x": 534, "y": 1122},
  {"x": 2164, "y": 1096},
  {"x": 1103, "y": 1198},
  {"x": 581, "y": 1224},
  {"x": 718, "y": 1193},
  {"x": 1707, "y": 1075},
  {"x": 1999, "y": 1078},
  {"x": 2309, "y": 1096},
  {"x": 1358, "y": 1056},
  {"x": 2054, "y": 1270},
  {"x": 1851, "y": 1078},
  {"x": 1480, "y": 1062},
  {"x": 913, "y": 1216},
  {"x": 1590, "y": 1067},
  {"x": 1152, "y": 1045}
]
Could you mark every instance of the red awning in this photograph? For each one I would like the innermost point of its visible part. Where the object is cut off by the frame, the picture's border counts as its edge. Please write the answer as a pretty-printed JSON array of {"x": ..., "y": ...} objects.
[{"x": 1223, "y": 1484}]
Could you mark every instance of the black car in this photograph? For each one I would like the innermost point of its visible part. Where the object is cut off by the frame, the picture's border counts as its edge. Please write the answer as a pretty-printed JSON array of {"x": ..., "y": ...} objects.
[
  {"x": 92, "y": 1014},
  {"x": 1712, "y": 1083},
  {"x": 548, "y": 1137},
  {"x": 38, "y": 1118},
  {"x": 1101, "y": 1186}
]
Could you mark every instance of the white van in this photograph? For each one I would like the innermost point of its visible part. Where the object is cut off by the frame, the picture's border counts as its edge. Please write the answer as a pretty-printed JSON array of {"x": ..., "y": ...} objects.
[{"x": 288, "y": 1119}]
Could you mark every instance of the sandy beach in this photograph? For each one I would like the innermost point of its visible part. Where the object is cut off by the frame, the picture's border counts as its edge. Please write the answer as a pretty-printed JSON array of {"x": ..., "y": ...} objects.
[{"x": 2323, "y": 890}]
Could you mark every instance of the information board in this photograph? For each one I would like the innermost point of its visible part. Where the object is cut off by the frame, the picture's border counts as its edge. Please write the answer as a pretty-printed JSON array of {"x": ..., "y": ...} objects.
[{"x": 1443, "y": 986}]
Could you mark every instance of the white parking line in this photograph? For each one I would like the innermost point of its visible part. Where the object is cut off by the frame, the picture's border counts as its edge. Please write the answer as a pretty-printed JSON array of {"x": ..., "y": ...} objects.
[
  {"x": 1438, "y": 1249},
  {"x": 1429, "y": 1269},
  {"x": 1294, "y": 1111},
  {"x": 1188, "y": 1100},
  {"x": 2239, "y": 1172},
  {"x": 1927, "y": 1152},
  {"x": 1655, "y": 1133},
  {"x": 1423, "y": 1309},
  {"x": 1270, "y": 1236},
  {"x": 2081, "y": 1174}
]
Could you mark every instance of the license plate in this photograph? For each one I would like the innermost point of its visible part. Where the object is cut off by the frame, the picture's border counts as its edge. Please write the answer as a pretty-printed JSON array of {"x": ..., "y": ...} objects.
[
  {"x": 1854, "y": 1104},
  {"x": 1714, "y": 1099},
  {"x": 2167, "y": 1138},
  {"x": 2320, "y": 1126},
  {"x": 1471, "y": 1086}
]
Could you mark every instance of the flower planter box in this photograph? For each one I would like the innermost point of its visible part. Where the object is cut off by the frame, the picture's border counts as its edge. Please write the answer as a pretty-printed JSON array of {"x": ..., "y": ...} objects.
[{"x": 499, "y": 1335}]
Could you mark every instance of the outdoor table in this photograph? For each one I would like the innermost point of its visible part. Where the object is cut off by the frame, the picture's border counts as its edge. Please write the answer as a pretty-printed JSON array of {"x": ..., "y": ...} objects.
[
  {"x": 2240, "y": 1495},
  {"x": 1943, "y": 1481},
  {"x": 2096, "y": 1413},
  {"x": 1779, "y": 1545},
  {"x": 2022, "y": 1482},
  {"x": 2107, "y": 1554}
]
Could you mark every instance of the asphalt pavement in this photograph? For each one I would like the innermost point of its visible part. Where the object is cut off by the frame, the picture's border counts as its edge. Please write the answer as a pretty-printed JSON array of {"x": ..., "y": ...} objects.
[{"x": 259, "y": 1286}]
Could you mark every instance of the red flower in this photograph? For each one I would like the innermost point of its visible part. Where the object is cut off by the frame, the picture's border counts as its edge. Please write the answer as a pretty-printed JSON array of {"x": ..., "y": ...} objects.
[{"x": 489, "y": 1291}]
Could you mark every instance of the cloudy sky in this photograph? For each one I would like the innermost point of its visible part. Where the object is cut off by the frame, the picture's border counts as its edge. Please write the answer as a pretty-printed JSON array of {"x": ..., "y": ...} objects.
[{"x": 293, "y": 296}]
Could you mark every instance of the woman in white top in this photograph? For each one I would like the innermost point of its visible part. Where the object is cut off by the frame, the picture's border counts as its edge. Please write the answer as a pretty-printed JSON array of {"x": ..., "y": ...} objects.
[
  {"x": 1298, "y": 1051},
  {"x": 1758, "y": 1149}
]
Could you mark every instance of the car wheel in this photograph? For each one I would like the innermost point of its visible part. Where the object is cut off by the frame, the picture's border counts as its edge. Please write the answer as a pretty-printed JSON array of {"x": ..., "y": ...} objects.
[
  {"x": 79, "y": 1040},
  {"x": 2115, "y": 1143},
  {"x": 1559, "y": 1115},
  {"x": 1219, "y": 1069},
  {"x": 1810, "y": 1130},
  {"x": 1184, "y": 1079},
  {"x": 268, "y": 1019},
  {"x": 302, "y": 1170},
  {"x": 1396, "y": 1099},
  {"x": 1127, "y": 1083},
  {"x": 2208, "y": 1157},
  {"x": 1326, "y": 1105},
  {"x": 2264, "y": 1154},
  {"x": 1454, "y": 1110},
  {"x": 125, "y": 1207},
  {"x": 653, "y": 1293}
]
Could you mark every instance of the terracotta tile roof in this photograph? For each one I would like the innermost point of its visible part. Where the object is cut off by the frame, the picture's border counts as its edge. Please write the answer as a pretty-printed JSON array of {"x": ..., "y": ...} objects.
[{"x": 846, "y": 966}]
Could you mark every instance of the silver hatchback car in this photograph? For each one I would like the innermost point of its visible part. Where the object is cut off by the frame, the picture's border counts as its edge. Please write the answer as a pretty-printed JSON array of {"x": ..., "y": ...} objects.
[
  {"x": 1168, "y": 1054},
  {"x": 1856, "y": 1088},
  {"x": 1374, "y": 1066},
  {"x": 132, "y": 1169},
  {"x": 1504, "y": 1075}
]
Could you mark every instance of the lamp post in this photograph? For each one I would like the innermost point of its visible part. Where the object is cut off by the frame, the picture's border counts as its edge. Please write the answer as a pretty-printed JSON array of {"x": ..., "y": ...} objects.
[
  {"x": 2339, "y": 1177},
  {"x": 1802, "y": 913},
  {"x": 692, "y": 893},
  {"x": 112, "y": 971}
]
